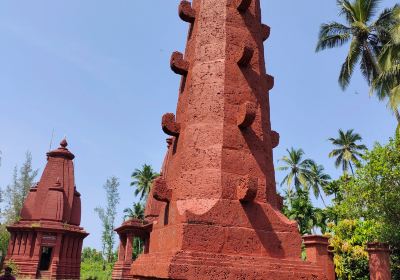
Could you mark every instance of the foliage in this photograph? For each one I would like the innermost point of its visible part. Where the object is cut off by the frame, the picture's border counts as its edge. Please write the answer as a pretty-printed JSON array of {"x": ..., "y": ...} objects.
[
  {"x": 387, "y": 83},
  {"x": 349, "y": 239},
  {"x": 138, "y": 247},
  {"x": 373, "y": 43},
  {"x": 107, "y": 217},
  {"x": 317, "y": 180},
  {"x": 347, "y": 150},
  {"x": 16, "y": 193},
  {"x": 374, "y": 193},
  {"x": 372, "y": 196},
  {"x": 366, "y": 36},
  {"x": 93, "y": 265},
  {"x": 142, "y": 180},
  {"x": 298, "y": 207},
  {"x": 15, "y": 269},
  {"x": 4, "y": 238},
  {"x": 136, "y": 212}
]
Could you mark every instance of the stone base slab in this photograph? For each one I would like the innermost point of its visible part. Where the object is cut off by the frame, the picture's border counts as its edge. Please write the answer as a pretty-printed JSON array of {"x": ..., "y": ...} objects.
[{"x": 204, "y": 266}]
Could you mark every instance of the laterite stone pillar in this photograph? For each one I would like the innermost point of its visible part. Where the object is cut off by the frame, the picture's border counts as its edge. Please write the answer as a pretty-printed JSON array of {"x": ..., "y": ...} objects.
[
  {"x": 379, "y": 261},
  {"x": 317, "y": 249}
]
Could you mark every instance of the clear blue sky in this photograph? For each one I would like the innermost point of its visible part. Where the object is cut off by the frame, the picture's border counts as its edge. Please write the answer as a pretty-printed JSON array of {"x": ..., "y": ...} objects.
[{"x": 98, "y": 72}]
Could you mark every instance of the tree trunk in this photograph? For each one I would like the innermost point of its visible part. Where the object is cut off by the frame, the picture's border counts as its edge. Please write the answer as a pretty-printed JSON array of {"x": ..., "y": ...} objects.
[{"x": 351, "y": 168}]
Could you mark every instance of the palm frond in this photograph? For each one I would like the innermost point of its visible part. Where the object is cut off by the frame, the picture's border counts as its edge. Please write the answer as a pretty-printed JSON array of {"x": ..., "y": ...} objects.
[{"x": 348, "y": 66}]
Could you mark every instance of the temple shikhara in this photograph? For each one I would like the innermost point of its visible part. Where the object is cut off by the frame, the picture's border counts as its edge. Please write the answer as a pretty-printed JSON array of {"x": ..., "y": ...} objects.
[
  {"x": 47, "y": 241},
  {"x": 214, "y": 213}
]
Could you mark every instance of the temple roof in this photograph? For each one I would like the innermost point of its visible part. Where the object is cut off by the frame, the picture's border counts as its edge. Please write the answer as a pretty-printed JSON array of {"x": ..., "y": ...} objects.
[{"x": 55, "y": 197}]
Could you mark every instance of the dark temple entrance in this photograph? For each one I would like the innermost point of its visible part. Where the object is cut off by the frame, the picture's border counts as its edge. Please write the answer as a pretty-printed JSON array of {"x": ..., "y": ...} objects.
[{"x": 45, "y": 258}]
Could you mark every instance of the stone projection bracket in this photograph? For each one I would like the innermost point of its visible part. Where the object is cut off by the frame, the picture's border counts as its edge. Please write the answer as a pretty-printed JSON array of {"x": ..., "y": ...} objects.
[
  {"x": 186, "y": 12},
  {"x": 275, "y": 139},
  {"x": 246, "y": 191},
  {"x": 245, "y": 56},
  {"x": 161, "y": 192},
  {"x": 178, "y": 64},
  {"x": 270, "y": 80},
  {"x": 265, "y": 31},
  {"x": 169, "y": 125},
  {"x": 243, "y": 5},
  {"x": 246, "y": 114}
]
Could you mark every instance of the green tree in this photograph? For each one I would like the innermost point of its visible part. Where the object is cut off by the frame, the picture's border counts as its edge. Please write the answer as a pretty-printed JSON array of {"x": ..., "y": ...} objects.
[
  {"x": 372, "y": 196},
  {"x": 318, "y": 180},
  {"x": 387, "y": 84},
  {"x": 136, "y": 212},
  {"x": 374, "y": 192},
  {"x": 18, "y": 190},
  {"x": 107, "y": 217},
  {"x": 349, "y": 239},
  {"x": 347, "y": 151},
  {"x": 297, "y": 167},
  {"x": 142, "y": 180},
  {"x": 299, "y": 208},
  {"x": 367, "y": 37},
  {"x": 93, "y": 265}
]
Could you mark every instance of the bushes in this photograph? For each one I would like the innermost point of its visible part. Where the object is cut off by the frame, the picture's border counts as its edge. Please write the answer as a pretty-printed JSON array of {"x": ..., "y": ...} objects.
[{"x": 94, "y": 267}]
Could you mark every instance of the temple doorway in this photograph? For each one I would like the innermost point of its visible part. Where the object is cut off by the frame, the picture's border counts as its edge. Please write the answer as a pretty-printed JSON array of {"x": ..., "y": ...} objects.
[{"x": 45, "y": 258}]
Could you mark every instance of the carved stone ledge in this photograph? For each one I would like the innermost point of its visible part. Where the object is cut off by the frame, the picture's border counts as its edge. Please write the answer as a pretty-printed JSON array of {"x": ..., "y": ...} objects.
[
  {"x": 169, "y": 125},
  {"x": 265, "y": 31},
  {"x": 178, "y": 64},
  {"x": 246, "y": 191},
  {"x": 243, "y": 5},
  {"x": 186, "y": 12},
  {"x": 246, "y": 114},
  {"x": 246, "y": 56},
  {"x": 161, "y": 192},
  {"x": 275, "y": 137}
]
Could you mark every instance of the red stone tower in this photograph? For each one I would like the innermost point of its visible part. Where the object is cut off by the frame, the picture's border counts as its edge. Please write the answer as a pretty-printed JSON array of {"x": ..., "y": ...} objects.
[
  {"x": 220, "y": 216},
  {"x": 47, "y": 241}
]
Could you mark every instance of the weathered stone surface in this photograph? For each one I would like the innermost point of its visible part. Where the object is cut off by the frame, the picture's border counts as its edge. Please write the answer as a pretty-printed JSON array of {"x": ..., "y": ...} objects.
[
  {"x": 275, "y": 137},
  {"x": 178, "y": 64},
  {"x": 379, "y": 261},
  {"x": 169, "y": 125},
  {"x": 317, "y": 250},
  {"x": 247, "y": 114},
  {"x": 50, "y": 217},
  {"x": 247, "y": 189},
  {"x": 186, "y": 13},
  {"x": 245, "y": 56},
  {"x": 243, "y": 5},
  {"x": 161, "y": 192}
]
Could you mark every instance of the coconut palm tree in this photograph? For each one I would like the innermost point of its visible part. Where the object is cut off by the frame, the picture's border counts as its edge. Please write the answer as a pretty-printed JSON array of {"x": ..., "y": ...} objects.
[
  {"x": 318, "y": 180},
  {"x": 367, "y": 38},
  {"x": 297, "y": 167},
  {"x": 142, "y": 180},
  {"x": 347, "y": 151},
  {"x": 136, "y": 212},
  {"x": 387, "y": 84}
]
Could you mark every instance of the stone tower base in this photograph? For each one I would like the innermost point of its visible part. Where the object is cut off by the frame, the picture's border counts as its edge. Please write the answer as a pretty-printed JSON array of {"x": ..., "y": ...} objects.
[{"x": 202, "y": 266}]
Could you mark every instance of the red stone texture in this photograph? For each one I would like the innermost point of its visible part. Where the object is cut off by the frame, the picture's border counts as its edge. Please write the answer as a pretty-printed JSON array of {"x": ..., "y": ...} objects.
[
  {"x": 216, "y": 214},
  {"x": 317, "y": 249},
  {"x": 379, "y": 261},
  {"x": 50, "y": 217}
]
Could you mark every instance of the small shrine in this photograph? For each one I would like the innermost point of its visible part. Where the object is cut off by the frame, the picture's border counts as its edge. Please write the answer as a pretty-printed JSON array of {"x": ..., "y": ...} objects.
[{"x": 47, "y": 241}]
